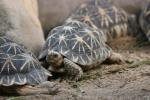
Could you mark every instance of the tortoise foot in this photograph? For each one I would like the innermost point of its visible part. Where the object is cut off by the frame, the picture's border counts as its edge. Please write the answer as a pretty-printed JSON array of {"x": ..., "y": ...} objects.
[{"x": 115, "y": 58}]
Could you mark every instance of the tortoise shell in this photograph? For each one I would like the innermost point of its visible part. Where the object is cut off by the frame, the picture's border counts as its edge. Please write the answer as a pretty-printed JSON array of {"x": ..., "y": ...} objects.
[
  {"x": 145, "y": 20},
  {"x": 17, "y": 67},
  {"x": 10, "y": 47},
  {"x": 102, "y": 14},
  {"x": 78, "y": 42}
]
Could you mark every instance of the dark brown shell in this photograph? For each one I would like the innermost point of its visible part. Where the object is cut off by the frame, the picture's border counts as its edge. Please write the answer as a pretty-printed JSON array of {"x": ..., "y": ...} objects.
[{"x": 101, "y": 14}]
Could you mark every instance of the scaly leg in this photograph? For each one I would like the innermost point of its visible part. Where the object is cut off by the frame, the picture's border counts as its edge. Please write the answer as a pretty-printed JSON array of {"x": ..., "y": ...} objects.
[{"x": 73, "y": 70}]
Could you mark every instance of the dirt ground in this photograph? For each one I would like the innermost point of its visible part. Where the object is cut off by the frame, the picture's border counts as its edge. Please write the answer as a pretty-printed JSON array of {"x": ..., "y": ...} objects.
[{"x": 129, "y": 81}]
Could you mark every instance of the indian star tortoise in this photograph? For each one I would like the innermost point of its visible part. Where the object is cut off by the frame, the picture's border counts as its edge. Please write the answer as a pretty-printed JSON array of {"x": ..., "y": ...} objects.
[
  {"x": 75, "y": 47},
  {"x": 21, "y": 72},
  {"x": 103, "y": 15}
]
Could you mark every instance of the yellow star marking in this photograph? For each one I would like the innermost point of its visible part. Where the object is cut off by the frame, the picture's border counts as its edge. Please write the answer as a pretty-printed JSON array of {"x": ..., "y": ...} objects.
[
  {"x": 7, "y": 62},
  {"x": 68, "y": 28},
  {"x": 73, "y": 21},
  {"x": 104, "y": 17},
  {"x": 119, "y": 15},
  {"x": 28, "y": 60},
  {"x": 90, "y": 33},
  {"x": 81, "y": 41},
  {"x": 88, "y": 20},
  {"x": 62, "y": 39}
]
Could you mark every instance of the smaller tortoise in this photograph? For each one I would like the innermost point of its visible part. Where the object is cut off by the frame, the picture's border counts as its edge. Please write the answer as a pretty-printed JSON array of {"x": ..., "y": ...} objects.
[
  {"x": 145, "y": 20},
  {"x": 75, "y": 47},
  {"x": 101, "y": 14},
  {"x": 20, "y": 72}
]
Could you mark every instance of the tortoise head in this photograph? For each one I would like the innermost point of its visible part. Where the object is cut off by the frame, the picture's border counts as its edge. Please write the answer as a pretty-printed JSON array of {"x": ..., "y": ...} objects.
[{"x": 54, "y": 58}]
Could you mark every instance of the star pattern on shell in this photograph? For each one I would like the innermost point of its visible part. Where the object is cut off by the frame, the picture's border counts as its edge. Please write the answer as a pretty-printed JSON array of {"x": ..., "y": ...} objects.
[
  {"x": 12, "y": 48},
  {"x": 68, "y": 28},
  {"x": 101, "y": 14},
  {"x": 72, "y": 22},
  {"x": 78, "y": 42},
  {"x": 4, "y": 39},
  {"x": 18, "y": 66}
]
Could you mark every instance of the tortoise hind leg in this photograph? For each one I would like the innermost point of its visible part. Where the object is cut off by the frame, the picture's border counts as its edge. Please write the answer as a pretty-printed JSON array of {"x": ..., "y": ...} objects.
[
  {"x": 43, "y": 88},
  {"x": 73, "y": 71},
  {"x": 115, "y": 58}
]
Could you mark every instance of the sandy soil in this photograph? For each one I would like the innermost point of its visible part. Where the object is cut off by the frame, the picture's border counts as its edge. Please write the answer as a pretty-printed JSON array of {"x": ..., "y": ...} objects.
[{"x": 130, "y": 81}]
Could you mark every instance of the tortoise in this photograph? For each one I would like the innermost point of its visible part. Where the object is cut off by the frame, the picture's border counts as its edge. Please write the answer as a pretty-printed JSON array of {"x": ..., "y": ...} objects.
[
  {"x": 20, "y": 72},
  {"x": 145, "y": 20},
  {"x": 75, "y": 47},
  {"x": 102, "y": 14}
]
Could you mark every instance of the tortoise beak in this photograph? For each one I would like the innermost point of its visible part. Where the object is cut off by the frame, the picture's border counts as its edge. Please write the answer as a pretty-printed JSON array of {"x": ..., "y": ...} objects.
[{"x": 43, "y": 55}]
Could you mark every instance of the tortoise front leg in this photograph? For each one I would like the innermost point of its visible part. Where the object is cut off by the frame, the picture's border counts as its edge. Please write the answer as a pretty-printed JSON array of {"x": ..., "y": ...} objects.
[
  {"x": 43, "y": 88},
  {"x": 73, "y": 71},
  {"x": 115, "y": 58}
]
